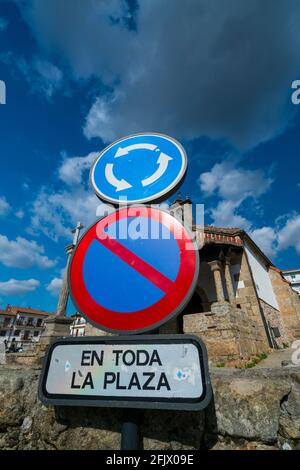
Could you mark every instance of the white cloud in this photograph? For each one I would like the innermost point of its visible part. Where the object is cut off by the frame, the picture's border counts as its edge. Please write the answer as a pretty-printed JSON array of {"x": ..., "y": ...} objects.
[
  {"x": 54, "y": 286},
  {"x": 22, "y": 253},
  {"x": 232, "y": 185},
  {"x": 4, "y": 206},
  {"x": 72, "y": 169},
  {"x": 51, "y": 76},
  {"x": 266, "y": 239},
  {"x": 3, "y": 24},
  {"x": 20, "y": 214},
  {"x": 54, "y": 212},
  {"x": 289, "y": 235},
  {"x": 42, "y": 76},
  {"x": 187, "y": 67},
  {"x": 84, "y": 33},
  {"x": 284, "y": 235},
  {"x": 18, "y": 287},
  {"x": 224, "y": 215}
]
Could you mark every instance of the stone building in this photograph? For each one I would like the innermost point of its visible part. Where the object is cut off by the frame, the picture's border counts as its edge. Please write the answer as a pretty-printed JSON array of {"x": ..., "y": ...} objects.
[
  {"x": 22, "y": 326},
  {"x": 242, "y": 305},
  {"x": 80, "y": 327}
]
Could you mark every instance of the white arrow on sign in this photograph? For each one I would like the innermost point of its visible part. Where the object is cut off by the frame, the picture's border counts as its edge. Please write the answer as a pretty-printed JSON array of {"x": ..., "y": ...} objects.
[
  {"x": 162, "y": 161},
  {"x": 118, "y": 184},
  {"x": 124, "y": 151}
]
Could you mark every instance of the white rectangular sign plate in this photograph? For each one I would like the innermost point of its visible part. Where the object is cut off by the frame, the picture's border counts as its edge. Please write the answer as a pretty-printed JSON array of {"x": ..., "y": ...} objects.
[{"x": 152, "y": 371}]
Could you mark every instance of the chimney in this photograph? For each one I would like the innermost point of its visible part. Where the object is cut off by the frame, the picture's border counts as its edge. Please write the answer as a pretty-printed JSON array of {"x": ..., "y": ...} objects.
[{"x": 182, "y": 209}]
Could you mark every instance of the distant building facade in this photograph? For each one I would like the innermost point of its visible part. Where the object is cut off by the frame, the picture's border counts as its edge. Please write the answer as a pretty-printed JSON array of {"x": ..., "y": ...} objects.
[
  {"x": 21, "y": 326},
  {"x": 293, "y": 277},
  {"x": 77, "y": 328},
  {"x": 80, "y": 327}
]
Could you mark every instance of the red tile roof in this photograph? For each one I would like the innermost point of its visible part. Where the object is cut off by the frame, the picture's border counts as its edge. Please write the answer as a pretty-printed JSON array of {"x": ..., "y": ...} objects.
[
  {"x": 223, "y": 230},
  {"x": 231, "y": 236},
  {"x": 14, "y": 310}
]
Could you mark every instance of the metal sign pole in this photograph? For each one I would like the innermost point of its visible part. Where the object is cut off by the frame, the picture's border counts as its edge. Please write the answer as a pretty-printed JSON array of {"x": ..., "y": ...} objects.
[{"x": 130, "y": 433}]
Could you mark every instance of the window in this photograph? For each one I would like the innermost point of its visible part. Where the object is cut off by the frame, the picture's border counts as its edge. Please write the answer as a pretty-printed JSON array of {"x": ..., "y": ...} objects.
[
  {"x": 293, "y": 276},
  {"x": 17, "y": 332},
  {"x": 2, "y": 333},
  {"x": 276, "y": 332},
  {"x": 39, "y": 322},
  {"x": 36, "y": 333},
  {"x": 26, "y": 335},
  {"x": 6, "y": 322},
  {"x": 21, "y": 321},
  {"x": 30, "y": 322}
]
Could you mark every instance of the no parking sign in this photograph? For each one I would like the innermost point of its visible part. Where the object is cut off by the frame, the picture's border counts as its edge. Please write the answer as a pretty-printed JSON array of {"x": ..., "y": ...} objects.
[{"x": 133, "y": 270}]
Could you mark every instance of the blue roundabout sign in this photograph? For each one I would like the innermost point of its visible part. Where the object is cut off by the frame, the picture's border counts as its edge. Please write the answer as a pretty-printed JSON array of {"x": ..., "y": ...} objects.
[{"x": 139, "y": 168}]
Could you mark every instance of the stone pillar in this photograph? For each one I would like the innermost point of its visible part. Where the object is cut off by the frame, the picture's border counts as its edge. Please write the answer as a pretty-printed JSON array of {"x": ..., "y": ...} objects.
[
  {"x": 61, "y": 309},
  {"x": 215, "y": 267},
  {"x": 56, "y": 327},
  {"x": 228, "y": 280},
  {"x": 64, "y": 293}
]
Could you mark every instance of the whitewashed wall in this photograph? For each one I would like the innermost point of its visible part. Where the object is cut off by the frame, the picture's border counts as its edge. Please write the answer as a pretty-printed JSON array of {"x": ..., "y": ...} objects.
[
  {"x": 261, "y": 278},
  {"x": 289, "y": 277},
  {"x": 294, "y": 280},
  {"x": 237, "y": 284}
]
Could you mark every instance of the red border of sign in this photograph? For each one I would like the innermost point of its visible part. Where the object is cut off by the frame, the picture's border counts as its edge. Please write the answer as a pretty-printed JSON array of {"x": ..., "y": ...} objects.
[{"x": 147, "y": 319}]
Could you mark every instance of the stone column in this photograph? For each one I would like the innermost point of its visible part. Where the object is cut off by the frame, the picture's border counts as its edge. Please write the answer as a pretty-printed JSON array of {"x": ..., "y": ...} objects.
[
  {"x": 215, "y": 267},
  {"x": 55, "y": 327},
  {"x": 64, "y": 293},
  {"x": 228, "y": 280},
  {"x": 61, "y": 309},
  {"x": 58, "y": 325}
]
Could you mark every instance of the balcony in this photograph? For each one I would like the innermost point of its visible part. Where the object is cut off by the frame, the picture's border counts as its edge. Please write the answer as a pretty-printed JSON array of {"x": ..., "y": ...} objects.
[
  {"x": 23, "y": 324},
  {"x": 5, "y": 326}
]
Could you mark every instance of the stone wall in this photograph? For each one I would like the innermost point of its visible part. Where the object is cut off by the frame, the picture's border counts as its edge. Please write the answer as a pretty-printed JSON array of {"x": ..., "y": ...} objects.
[
  {"x": 289, "y": 303},
  {"x": 230, "y": 334},
  {"x": 247, "y": 298},
  {"x": 251, "y": 409},
  {"x": 274, "y": 320}
]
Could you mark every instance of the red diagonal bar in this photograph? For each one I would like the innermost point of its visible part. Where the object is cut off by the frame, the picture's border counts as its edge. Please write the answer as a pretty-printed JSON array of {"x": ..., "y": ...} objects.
[{"x": 137, "y": 263}]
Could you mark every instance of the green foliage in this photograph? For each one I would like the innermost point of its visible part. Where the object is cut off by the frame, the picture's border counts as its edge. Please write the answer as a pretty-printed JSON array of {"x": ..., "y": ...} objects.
[
  {"x": 256, "y": 360},
  {"x": 220, "y": 364},
  {"x": 262, "y": 356}
]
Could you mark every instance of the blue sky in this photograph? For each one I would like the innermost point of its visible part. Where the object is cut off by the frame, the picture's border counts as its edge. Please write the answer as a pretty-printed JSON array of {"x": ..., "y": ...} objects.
[{"x": 81, "y": 74}]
